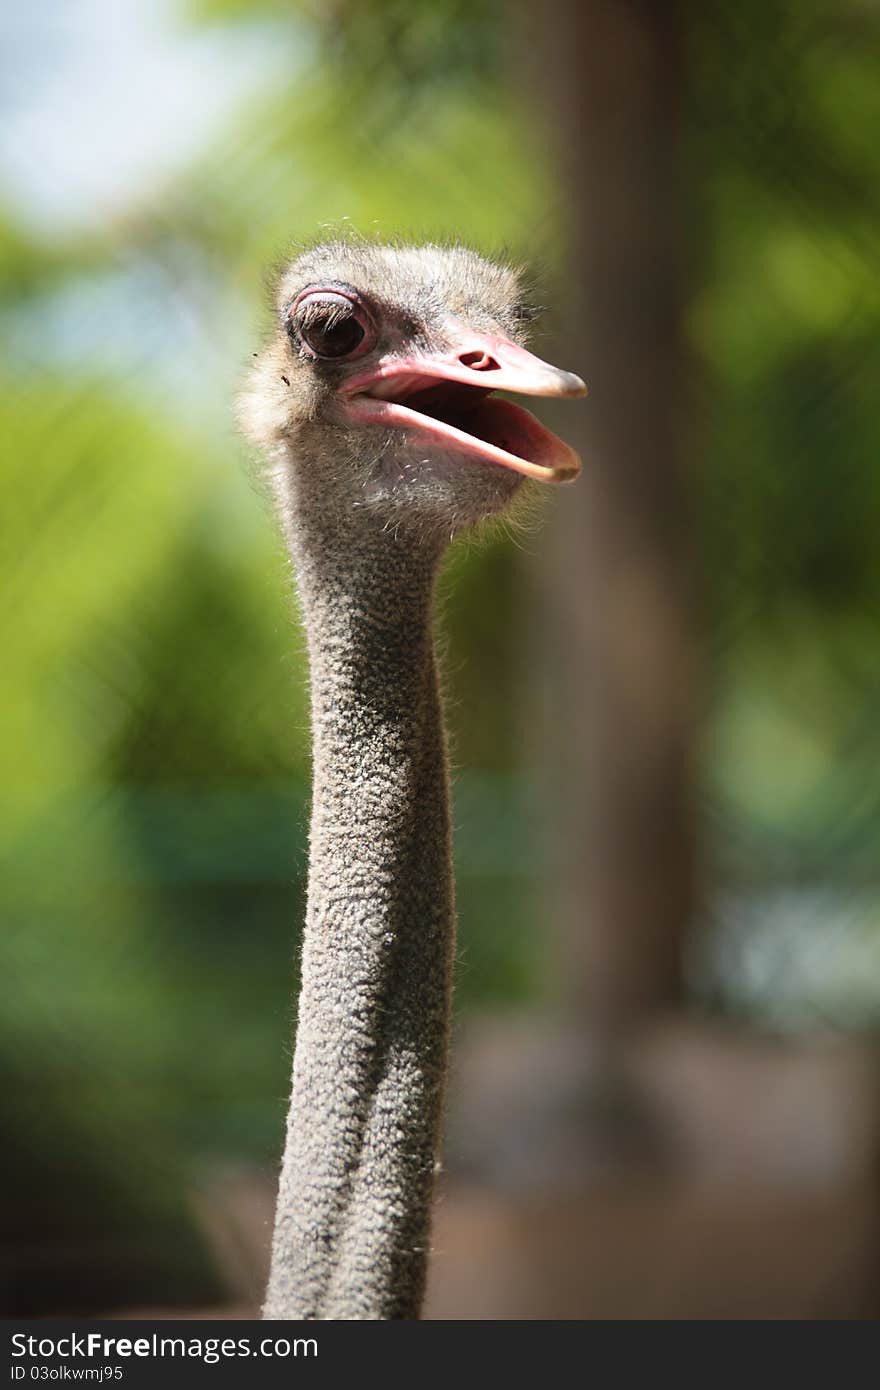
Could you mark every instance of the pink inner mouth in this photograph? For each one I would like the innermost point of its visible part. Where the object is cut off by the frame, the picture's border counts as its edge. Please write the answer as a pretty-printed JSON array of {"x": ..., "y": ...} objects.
[{"x": 469, "y": 419}]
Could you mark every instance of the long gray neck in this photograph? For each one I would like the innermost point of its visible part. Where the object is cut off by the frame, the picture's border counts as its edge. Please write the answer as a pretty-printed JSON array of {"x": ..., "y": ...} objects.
[{"x": 353, "y": 1217}]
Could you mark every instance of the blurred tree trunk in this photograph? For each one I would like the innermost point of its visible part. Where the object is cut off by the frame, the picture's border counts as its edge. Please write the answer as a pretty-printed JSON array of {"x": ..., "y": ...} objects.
[{"x": 618, "y": 658}]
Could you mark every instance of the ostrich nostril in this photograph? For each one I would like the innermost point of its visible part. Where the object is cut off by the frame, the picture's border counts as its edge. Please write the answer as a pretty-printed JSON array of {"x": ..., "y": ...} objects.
[{"x": 479, "y": 362}]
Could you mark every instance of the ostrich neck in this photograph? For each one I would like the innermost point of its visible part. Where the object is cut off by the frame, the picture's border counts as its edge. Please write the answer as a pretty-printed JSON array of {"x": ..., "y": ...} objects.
[{"x": 353, "y": 1217}]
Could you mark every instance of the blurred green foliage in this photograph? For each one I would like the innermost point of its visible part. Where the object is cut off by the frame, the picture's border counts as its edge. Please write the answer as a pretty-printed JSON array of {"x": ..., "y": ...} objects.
[
  {"x": 784, "y": 195},
  {"x": 785, "y": 190},
  {"x": 154, "y": 723}
]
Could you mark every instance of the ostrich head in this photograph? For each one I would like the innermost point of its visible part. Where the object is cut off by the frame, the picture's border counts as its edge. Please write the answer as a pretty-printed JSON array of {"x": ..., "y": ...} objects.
[{"x": 376, "y": 393}]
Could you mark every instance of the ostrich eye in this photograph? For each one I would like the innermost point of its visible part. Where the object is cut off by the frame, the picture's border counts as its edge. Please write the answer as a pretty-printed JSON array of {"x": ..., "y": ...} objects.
[
  {"x": 335, "y": 336},
  {"x": 330, "y": 325}
]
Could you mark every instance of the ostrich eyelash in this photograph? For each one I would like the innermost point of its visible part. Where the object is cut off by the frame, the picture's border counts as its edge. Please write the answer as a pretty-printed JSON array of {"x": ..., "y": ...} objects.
[{"x": 327, "y": 315}]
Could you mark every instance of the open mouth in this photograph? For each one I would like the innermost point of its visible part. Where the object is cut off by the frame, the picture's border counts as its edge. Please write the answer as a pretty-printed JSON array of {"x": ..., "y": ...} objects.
[{"x": 453, "y": 404}]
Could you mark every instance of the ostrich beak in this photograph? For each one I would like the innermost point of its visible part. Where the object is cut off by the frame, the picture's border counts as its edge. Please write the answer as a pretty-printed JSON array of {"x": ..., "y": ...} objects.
[{"x": 447, "y": 397}]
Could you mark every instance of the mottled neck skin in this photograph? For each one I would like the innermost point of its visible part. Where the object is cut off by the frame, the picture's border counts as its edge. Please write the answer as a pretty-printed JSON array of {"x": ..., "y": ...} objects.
[{"x": 353, "y": 1215}]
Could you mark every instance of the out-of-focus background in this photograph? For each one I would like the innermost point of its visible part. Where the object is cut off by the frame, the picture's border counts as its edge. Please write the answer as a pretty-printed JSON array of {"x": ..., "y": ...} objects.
[{"x": 665, "y": 703}]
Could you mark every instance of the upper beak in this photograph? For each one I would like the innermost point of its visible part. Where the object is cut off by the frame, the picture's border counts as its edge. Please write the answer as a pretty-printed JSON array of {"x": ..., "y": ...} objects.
[{"x": 477, "y": 359}]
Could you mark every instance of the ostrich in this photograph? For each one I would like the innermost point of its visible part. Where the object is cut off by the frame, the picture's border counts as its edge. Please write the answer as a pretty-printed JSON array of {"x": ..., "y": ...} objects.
[{"x": 373, "y": 406}]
